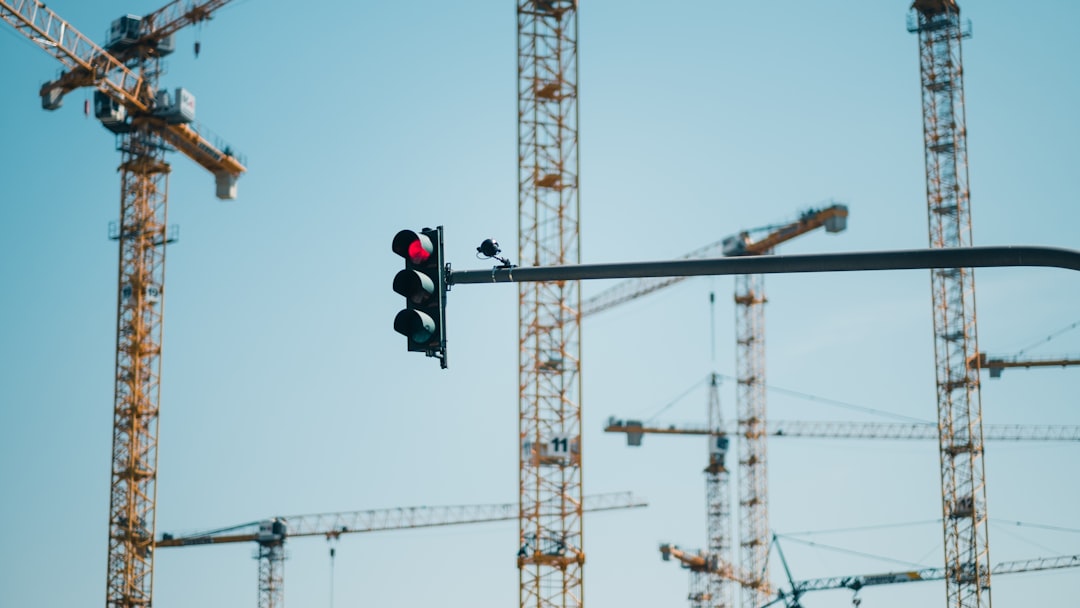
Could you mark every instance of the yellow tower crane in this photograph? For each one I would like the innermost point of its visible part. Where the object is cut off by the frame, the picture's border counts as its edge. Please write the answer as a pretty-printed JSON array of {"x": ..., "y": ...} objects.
[
  {"x": 270, "y": 534},
  {"x": 549, "y": 318},
  {"x": 750, "y": 394},
  {"x": 956, "y": 343},
  {"x": 147, "y": 121},
  {"x": 750, "y": 360}
]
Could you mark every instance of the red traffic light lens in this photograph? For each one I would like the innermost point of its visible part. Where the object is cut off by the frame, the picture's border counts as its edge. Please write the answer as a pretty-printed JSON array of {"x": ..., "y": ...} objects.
[
  {"x": 416, "y": 248},
  {"x": 417, "y": 253}
]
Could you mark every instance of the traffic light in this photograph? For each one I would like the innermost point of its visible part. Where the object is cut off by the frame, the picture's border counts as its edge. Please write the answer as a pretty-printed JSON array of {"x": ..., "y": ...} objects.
[{"x": 423, "y": 283}]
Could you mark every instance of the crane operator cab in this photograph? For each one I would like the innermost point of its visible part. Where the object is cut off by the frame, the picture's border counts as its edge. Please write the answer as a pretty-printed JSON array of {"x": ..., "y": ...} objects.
[
  {"x": 271, "y": 530},
  {"x": 110, "y": 112},
  {"x": 175, "y": 109},
  {"x": 718, "y": 447},
  {"x": 735, "y": 245},
  {"x": 127, "y": 30}
]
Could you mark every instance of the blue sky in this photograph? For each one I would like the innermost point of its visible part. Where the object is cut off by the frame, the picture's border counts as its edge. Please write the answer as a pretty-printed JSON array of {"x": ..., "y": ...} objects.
[{"x": 285, "y": 389}]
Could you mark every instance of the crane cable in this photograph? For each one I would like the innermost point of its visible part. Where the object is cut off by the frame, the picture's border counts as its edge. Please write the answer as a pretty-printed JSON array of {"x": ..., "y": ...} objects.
[
  {"x": 1048, "y": 338},
  {"x": 333, "y": 551},
  {"x": 843, "y": 404},
  {"x": 794, "y": 393},
  {"x": 811, "y": 543},
  {"x": 851, "y": 406}
]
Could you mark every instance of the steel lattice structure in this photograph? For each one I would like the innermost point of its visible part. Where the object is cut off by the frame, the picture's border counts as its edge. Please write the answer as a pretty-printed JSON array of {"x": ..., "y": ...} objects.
[
  {"x": 142, "y": 236},
  {"x": 963, "y": 480},
  {"x": 750, "y": 405},
  {"x": 550, "y": 520},
  {"x": 712, "y": 573},
  {"x": 718, "y": 503},
  {"x": 271, "y": 556}
]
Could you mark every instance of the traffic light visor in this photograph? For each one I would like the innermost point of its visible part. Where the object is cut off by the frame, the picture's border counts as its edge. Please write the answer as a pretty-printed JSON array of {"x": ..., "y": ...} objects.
[
  {"x": 416, "y": 248},
  {"x": 415, "y": 325},
  {"x": 415, "y": 285}
]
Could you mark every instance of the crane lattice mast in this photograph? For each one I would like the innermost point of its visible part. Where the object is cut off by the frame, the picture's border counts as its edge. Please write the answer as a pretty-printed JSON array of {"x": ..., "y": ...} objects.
[
  {"x": 750, "y": 402},
  {"x": 549, "y": 359},
  {"x": 712, "y": 574},
  {"x": 959, "y": 407},
  {"x": 750, "y": 408},
  {"x": 718, "y": 502},
  {"x": 271, "y": 556},
  {"x": 142, "y": 237},
  {"x": 146, "y": 124}
]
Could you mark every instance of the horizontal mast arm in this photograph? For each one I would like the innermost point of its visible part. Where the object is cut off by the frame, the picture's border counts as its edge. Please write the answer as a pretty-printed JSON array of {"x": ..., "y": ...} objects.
[{"x": 909, "y": 259}]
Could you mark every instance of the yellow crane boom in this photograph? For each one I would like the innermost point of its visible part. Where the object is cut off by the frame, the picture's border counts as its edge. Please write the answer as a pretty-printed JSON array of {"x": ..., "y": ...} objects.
[
  {"x": 833, "y": 218},
  {"x": 90, "y": 65},
  {"x": 93, "y": 65},
  {"x": 700, "y": 561}
]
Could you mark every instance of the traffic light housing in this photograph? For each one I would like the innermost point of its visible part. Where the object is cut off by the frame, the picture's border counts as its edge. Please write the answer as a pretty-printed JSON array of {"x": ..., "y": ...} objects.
[{"x": 423, "y": 283}]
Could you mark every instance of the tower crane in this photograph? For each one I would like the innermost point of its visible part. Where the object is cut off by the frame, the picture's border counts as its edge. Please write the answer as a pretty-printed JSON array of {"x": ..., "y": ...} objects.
[
  {"x": 790, "y": 597},
  {"x": 270, "y": 534},
  {"x": 147, "y": 121},
  {"x": 956, "y": 344},
  {"x": 549, "y": 313},
  {"x": 750, "y": 360},
  {"x": 750, "y": 394}
]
